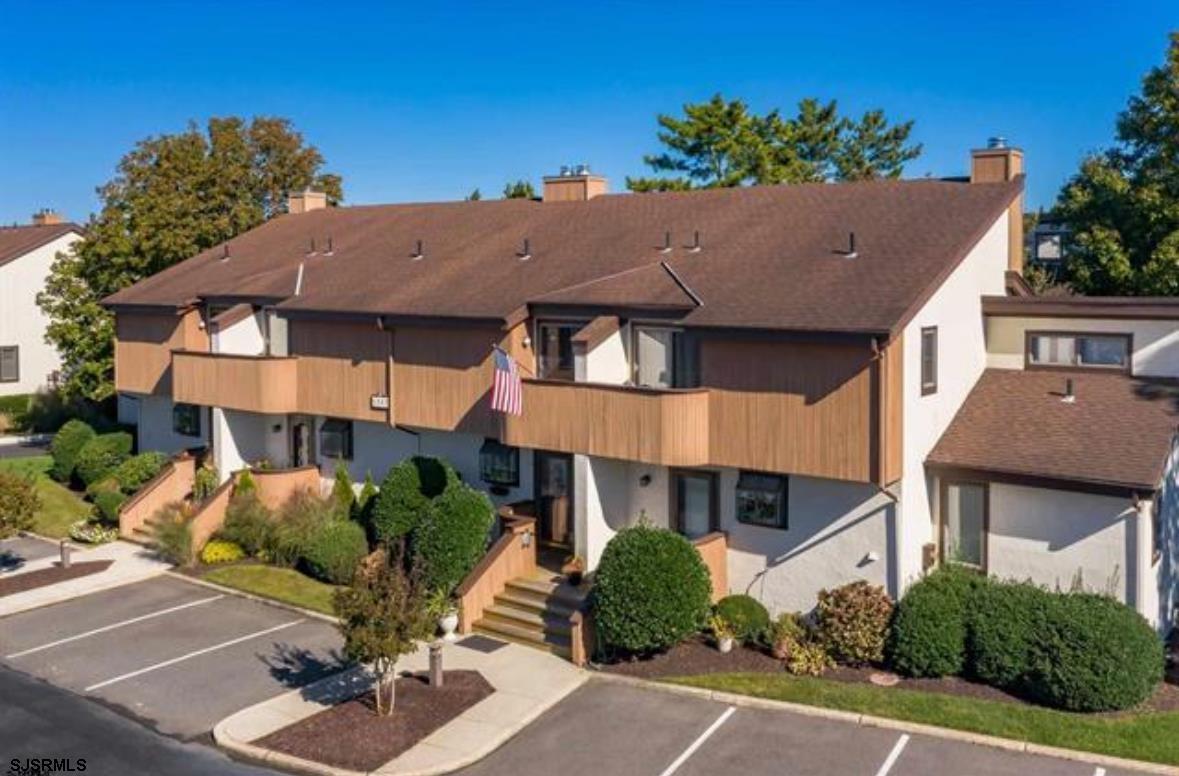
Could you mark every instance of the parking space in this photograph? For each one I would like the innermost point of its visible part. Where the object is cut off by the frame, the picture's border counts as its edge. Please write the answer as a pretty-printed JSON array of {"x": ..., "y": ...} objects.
[
  {"x": 176, "y": 655},
  {"x": 16, "y": 552},
  {"x": 629, "y": 731}
]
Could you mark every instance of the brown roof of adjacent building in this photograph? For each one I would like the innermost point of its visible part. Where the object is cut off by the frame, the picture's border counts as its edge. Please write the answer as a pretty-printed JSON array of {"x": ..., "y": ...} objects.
[
  {"x": 1124, "y": 307},
  {"x": 1117, "y": 432},
  {"x": 769, "y": 256},
  {"x": 16, "y": 241}
]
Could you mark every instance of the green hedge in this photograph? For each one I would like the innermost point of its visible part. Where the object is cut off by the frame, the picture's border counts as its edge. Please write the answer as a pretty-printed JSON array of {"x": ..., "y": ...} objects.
[
  {"x": 406, "y": 493},
  {"x": 135, "y": 472},
  {"x": 453, "y": 535},
  {"x": 928, "y": 635},
  {"x": 1002, "y": 624},
  {"x": 335, "y": 550},
  {"x": 651, "y": 591},
  {"x": 100, "y": 456},
  {"x": 746, "y": 616},
  {"x": 66, "y": 445},
  {"x": 19, "y": 503},
  {"x": 107, "y": 504}
]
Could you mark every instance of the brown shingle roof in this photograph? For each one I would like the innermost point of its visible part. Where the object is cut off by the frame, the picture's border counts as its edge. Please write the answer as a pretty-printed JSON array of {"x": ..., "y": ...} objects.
[
  {"x": 16, "y": 241},
  {"x": 769, "y": 254},
  {"x": 1118, "y": 431}
]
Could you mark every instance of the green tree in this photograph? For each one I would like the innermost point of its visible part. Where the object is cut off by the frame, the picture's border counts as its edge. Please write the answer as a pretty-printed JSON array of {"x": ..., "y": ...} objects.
[
  {"x": 343, "y": 498},
  {"x": 383, "y": 614},
  {"x": 475, "y": 195},
  {"x": 1123, "y": 204},
  {"x": 173, "y": 197},
  {"x": 723, "y": 143},
  {"x": 520, "y": 189}
]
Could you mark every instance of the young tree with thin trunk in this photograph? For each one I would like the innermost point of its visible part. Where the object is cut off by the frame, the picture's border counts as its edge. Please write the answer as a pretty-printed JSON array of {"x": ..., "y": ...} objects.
[{"x": 383, "y": 615}]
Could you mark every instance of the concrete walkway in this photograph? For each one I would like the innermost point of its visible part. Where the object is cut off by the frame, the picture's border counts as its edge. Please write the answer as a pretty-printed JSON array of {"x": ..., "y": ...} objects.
[
  {"x": 527, "y": 682},
  {"x": 131, "y": 563}
]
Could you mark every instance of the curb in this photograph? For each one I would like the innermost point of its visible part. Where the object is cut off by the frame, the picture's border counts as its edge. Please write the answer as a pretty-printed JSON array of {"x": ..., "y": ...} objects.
[
  {"x": 110, "y": 585},
  {"x": 252, "y": 597},
  {"x": 868, "y": 720},
  {"x": 245, "y": 749}
]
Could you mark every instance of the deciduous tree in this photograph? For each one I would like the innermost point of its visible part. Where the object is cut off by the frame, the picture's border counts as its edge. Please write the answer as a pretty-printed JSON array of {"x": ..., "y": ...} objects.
[{"x": 520, "y": 189}]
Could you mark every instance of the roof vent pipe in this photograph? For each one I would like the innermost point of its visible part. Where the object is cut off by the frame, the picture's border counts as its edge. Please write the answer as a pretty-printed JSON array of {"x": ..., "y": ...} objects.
[
  {"x": 225, "y": 253},
  {"x": 695, "y": 246},
  {"x": 1069, "y": 396},
  {"x": 666, "y": 243},
  {"x": 417, "y": 254},
  {"x": 525, "y": 254}
]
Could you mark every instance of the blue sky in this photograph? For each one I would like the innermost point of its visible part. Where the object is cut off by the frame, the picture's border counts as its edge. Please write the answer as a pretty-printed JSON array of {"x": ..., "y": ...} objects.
[{"x": 427, "y": 101}]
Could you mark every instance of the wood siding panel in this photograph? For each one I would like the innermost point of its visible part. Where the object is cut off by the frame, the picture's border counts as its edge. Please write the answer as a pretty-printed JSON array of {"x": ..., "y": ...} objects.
[
  {"x": 143, "y": 348},
  {"x": 793, "y": 407},
  {"x": 442, "y": 377},
  {"x": 341, "y": 366},
  {"x": 248, "y": 383}
]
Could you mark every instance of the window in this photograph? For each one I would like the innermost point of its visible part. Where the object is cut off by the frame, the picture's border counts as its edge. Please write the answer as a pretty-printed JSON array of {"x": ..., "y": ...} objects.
[
  {"x": 186, "y": 419},
  {"x": 664, "y": 358},
  {"x": 1092, "y": 351},
  {"x": 556, "y": 349},
  {"x": 928, "y": 360},
  {"x": 499, "y": 464},
  {"x": 9, "y": 364},
  {"x": 335, "y": 439},
  {"x": 964, "y": 523},
  {"x": 761, "y": 500}
]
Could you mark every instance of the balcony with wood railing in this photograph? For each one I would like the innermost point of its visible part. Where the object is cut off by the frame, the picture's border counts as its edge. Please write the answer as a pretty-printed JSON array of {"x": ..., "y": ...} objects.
[
  {"x": 265, "y": 384},
  {"x": 668, "y": 427}
]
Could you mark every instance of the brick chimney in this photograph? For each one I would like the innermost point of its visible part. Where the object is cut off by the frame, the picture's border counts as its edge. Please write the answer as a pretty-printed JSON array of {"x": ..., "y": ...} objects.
[
  {"x": 305, "y": 201},
  {"x": 574, "y": 184},
  {"x": 996, "y": 163},
  {"x": 46, "y": 217}
]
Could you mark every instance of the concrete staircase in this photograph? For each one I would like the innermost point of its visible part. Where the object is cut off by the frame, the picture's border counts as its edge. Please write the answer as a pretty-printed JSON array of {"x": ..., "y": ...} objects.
[
  {"x": 534, "y": 612},
  {"x": 145, "y": 533}
]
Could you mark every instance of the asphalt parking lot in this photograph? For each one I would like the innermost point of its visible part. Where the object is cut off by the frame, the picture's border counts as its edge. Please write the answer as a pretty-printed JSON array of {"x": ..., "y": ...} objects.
[
  {"x": 177, "y": 656},
  {"x": 16, "y": 552},
  {"x": 622, "y": 730}
]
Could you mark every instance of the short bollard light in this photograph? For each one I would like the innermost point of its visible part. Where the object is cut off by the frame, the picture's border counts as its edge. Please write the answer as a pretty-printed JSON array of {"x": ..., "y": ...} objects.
[
  {"x": 65, "y": 554},
  {"x": 436, "y": 664}
]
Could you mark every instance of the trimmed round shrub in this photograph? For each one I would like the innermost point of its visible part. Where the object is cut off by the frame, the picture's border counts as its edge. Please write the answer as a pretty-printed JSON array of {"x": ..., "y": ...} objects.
[
  {"x": 335, "y": 550},
  {"x": 452, "y": 536},
  {"x": 135, "y": 472},
  {"x": 852, "y": 622},
  {"x": 746, "y": 616},
  {"x": 651, "y": 591},
  {"x": 248, "y": 523},
  {"x": 66, "y": 444},
  {"x": 107, "y": 504},
  {"x": 99, "y": 457},
  {"x": 1002, "y": 624},
  {"x": 19, "y": 503},
  {"x": 1093, "y": 654},
  {"x": 221, "y": 551},
  {"x": 406, "y": 493},
  {"x": 928, "y": 634}
]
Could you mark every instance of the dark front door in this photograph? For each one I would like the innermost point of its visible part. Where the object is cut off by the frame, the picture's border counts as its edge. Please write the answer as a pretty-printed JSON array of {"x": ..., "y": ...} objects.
[
  {"x": 300, "y": 444},
  {"x": 694, "y": 502},
  {"x": 554, "y": 497}
]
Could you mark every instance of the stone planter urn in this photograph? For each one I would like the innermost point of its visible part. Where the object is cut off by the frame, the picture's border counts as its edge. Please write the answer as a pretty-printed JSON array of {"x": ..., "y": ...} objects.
[{"x": 448, "y": 624}]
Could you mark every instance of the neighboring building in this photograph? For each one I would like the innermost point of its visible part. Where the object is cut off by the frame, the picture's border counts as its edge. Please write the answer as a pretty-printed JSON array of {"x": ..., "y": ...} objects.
[
  {"x": 774, "y": 363},
  {"x": 1048, "y": 244},
  {"x": 27, "y": 362}
]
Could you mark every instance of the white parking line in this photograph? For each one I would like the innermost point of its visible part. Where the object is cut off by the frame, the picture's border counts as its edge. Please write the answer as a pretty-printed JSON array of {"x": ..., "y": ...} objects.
[
  {"x": 891, "y": 760},
  {"x": 190, "y": 655},
  {"x": 113, "y": 626},
  {"x": 698, "y": 742}
]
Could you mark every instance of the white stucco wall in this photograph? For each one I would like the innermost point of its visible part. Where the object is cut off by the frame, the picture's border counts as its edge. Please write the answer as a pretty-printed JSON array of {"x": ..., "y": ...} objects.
[
  {"x": 21, "y": 321},
  {"x": 607, "y": 363},
  {"x": 1155, "y": 343},
  {"x": 244, "y": 338},
  {"x": 154, "y": 429},
  {"x": 1052, "y": 536},
  {"x": 244, "y": 438},
  {"x": 956, "y": 310}
]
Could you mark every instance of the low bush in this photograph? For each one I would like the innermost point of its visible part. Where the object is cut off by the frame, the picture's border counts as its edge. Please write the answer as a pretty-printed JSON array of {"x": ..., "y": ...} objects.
[
  {"x": 1093, "y": 653},
  {"x": 14, "y": 412},
  {"x": 66, "y": 444},
  {"x": 172, "y": 534},
  {"x": 852, "y": 622},
  {"x": 452, "y": 537},
  {"x": 746, "y": 616},
  {"x": 406, "y": 493},
  {"x": 335, "y": 550},
  {"x": 91, "y": 532},
  {"x": 928, "y": 634},
  {"x": 204, "y": 482},
  {"x": 362, "y": 508},
  {"x": 221, "y": 551},
  {"x": 295, "y": 525},
  {"x": 19, "y": 503},
  {"x": 786, "y": 631},
  {"x": 107, "y": 504},
  {"x": 808, "y": 658},
  {"x": 248, "y": 524},
  {"x": 100, "y": 456},
  {"x": 105, "y": 485},
  {"x": 1002, "y": 624},
  {"x": 651, "y": 591},
  {"x": 343, "y": 497},
  {"x": 135, "y": 472}
]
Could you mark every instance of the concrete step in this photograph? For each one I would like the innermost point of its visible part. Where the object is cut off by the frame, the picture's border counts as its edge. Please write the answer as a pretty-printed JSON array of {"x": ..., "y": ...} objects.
[
  {"x": 543, "y": 622},
  {"x": 504, "y": 631}
]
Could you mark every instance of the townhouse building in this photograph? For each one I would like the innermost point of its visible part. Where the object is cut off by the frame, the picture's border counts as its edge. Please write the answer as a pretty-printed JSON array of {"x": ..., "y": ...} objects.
[{"x": 843, "y": 381}]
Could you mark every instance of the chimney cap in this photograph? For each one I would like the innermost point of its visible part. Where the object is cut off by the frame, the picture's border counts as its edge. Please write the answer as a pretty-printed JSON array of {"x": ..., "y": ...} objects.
[
  {"x": 46, "y": 216},
  {"x": 996, "y": 141}
]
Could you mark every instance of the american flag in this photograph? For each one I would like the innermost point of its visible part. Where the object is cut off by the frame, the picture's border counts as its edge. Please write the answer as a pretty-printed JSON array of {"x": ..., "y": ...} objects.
[{"x": 507, "y": 395}]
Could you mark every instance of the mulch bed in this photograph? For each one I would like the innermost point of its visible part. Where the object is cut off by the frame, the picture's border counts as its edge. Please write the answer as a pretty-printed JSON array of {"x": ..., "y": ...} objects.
[
  {"x": 30, "y": 580},
  {"x": 698, "y": 656},
  {"x": 351, "y": 735}
]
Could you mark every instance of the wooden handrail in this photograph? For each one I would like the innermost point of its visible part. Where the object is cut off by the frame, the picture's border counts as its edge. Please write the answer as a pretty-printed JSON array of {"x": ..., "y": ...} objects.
[{"x": 513, "y": 555}]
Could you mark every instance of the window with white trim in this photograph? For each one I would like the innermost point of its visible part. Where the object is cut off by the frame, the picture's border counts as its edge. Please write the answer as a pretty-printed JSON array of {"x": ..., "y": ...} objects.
[{"x": 9, "y": 364}]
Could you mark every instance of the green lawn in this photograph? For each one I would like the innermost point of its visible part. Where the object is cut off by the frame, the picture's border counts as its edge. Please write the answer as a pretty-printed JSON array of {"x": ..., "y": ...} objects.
[
  {"x": 281, "y": 584},
  {"x": 60, "y": 507},
  {"x": 1152, "y": 736}
]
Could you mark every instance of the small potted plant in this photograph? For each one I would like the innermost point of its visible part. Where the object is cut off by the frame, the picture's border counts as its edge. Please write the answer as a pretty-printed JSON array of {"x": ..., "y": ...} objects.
[
  {"x": 722, "y": 631},
  {"x": 574, "y": 569},
  {"x": 447, "y": 613}
]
